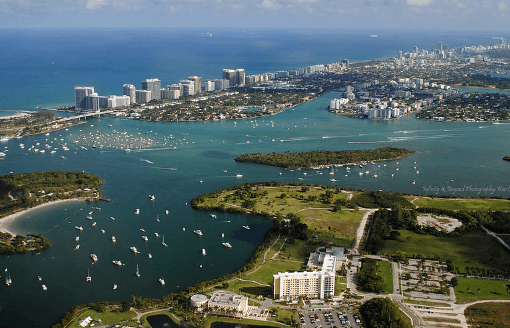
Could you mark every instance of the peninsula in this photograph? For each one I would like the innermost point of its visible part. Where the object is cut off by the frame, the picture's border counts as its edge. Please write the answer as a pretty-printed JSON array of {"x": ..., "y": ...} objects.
[
  {"x": 323, "y": 158},
  {"x": 20, "y": 192}
]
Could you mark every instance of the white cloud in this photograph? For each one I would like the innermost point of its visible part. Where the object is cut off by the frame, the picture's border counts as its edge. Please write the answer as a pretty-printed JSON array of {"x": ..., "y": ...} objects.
[
  {"x": 94, "y": 4},
  {"x": 268, "y": 4},
  {"x": 419, "y": 3},
  {"x": 502, "y": 5}
]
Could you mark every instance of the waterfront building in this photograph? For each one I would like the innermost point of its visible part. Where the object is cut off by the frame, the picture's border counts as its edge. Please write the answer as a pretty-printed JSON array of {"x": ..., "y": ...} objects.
[
  {"x": 154, "y": 86},
  {"x": 92, "y": 102},
  {"x": 221, "y": 84},
  {"x": 209, "y": 86},
  {"x": 173, "y": 91},
  {"x": 337, "y": 103},
  {"x": 345, "y": 63},
  {"x": 199, "y": 302},
  {"x": 236, "y": 77},
  {"x": 240, "y": 76},
  {"x": 143, "y": 96},
  {"x": 118, "y": 101},
  {"x": 188, "y": 87},
  {"x": 81, "y": 94},
  {"x": 228, "y": 301},
  {"x": 130, "y": 90},
  {"x": 197, "y": 83}
]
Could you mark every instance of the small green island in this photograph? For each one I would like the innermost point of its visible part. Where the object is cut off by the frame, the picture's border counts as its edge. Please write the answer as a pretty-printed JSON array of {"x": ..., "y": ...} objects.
[
  {"x": 20, "y": 192},
  {"x": 324, "y": 158},
  {"x": 506, "y": 158}
]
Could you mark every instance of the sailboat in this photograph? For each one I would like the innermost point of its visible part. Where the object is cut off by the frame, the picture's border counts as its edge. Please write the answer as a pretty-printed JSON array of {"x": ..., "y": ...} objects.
[
  {"x": 89, "y": 278},
  {"x": 137, "y": 271},
  {"x": 163, "y": 242},
  {"x": 8, "y": 280}
]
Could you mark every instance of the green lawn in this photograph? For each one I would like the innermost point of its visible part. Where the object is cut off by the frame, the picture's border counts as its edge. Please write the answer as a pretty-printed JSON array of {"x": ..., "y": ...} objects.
[
  {"x": 471, "y": 249},
  {"x": 265, "y": 274},
  {"x": 249, "y": 289},
  {"x": 106, "y": 317},
  {"x": 340, "y": 285},
  {"x": 464, "y": 204},
  {"x": 386, "y": 272},
  {"x": 427, "y": 303},
  {"x": 209, "y": 320},
  {"x": 470, "y": 290},
  {"x": 283, "y": 315},
  {"x": 296, "y": 251}
]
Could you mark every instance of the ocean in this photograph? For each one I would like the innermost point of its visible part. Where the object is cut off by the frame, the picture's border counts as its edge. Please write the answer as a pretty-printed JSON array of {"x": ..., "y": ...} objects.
[{"x": 41, "y": 68}]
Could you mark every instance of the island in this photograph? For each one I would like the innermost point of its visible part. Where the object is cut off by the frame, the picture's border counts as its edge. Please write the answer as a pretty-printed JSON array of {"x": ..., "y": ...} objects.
[
  {"x": 324, "y": 158},
  {"x": 506, "y": 158},
  {"x": 420, "y": 258},
  {"x": 21, "y": 192}
]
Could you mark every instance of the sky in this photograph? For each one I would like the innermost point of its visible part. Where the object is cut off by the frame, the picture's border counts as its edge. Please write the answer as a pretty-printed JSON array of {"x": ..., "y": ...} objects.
[{"x": 359, "y": 14}]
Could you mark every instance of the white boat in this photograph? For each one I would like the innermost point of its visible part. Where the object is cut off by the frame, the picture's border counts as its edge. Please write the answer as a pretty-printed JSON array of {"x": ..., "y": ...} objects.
[
  {"x": 162, "y": 281},
  {"x": 62, "y": 157},
  {"x": 113, "y": 219},
  {"x": 94, "y": 224},
  {"x": 93, "y": 257},
  {"x": 114, "y": 286},
  {"x": 375, "y": 175},
  {"x": 134, "y": 250},
  {"x": 227, "y": 245},
  {"x": 118, "y": 263},
  {"x": 183, "y": 229},
  {"x": 8, "y": 280},
  {"x": 44, "y": 287},
  {"x": 137, "y": 271},
  {"x": 77, "y": 247},
  {"x": 156, "y": 234},
  {"x": 89, "y": 217},
  {"x": 246, "y": 227},
  {"x": 413, "y": 182},
  {"x": 213, "y": 216},
  {"x": 77, "y": 238},
  {"x": 137, "y": 211},
  {"x": 113, "y": 239},
  {"x": 89, "y": 278},
  {"x": 332, "y": 180},
  {"x": 203, "y": 251},
  {"x": 39, "y": 278},
  {"x": 150, "y": 255},
  {"x": 166, "y": 212},
  {"x": 222, "y": 235},
  {"x": 360, "y": 173},
  {"x": 417, "y": 172},
  {"x": 102, "y": 231},
  {"x": 163, "y": 242},
  {"x": 198, "y": 232},
  {"x": 239, "y": 175},
  {"x": 79, "y": 228},
  {"x": 142, "y": 230},
  {"x": 152, "y": 197},
  {"x": 145, "y": 238}
]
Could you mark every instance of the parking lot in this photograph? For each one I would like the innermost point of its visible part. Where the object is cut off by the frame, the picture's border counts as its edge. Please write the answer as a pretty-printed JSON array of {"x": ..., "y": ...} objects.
[{"x": 311, "y": 318}]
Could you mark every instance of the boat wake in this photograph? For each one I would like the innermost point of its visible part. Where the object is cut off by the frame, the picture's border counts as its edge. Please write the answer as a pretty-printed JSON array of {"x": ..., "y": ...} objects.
[
  {"x": 152, "y": 149},
  {"x": 145, "y": 160}
]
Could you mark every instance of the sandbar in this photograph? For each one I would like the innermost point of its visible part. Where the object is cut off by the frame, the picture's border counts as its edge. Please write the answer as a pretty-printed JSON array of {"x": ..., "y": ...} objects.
[{"x": 7, "y": 222}]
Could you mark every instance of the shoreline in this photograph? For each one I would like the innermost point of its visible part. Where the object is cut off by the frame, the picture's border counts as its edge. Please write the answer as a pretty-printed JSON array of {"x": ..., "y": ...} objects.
[{"x": 6, "y": 222}]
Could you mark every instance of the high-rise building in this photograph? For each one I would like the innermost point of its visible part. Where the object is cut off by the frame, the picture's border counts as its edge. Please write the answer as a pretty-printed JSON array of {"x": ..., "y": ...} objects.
[
  {"x": 143, "y": 96},
  {"x": 81, "y": 94},
  {"x": 345, "y": 62},
  {"x": 93, "y": 102},
  {"x": 154, "y": 86},
  {"x": 188, "y": 87},
  {"x": 130, "y": 90},
  {"x": 440, "y": 46},
  {"x": 118, "y": 101},
  {"x": 221, "y": 84},
  {"x": 173, "y": 91},
  {"x": 197, "y": 83},
  {"x": 230, "y": 75},
  {"x": 240, "y": 77},
  {"x": 209, "y": 86}
]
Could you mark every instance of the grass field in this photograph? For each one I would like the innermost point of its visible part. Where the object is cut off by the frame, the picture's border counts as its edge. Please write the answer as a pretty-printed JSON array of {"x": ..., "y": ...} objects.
[
  {"x": 265, "y": 274},
  {"x": 495, "y": 315},
  {"x": 249, "y": 289},
  {"x": 472, "y": 249},
  {"x": 463, "y": 204},
  {"x": 427, "y": 303},
  {"x": 470, "y": 290},
  {"x": 296, "y": 251},
  {"x": 340, "y": 285},
  {"x": 283, "y": 315},
  {"x": 106, "y": 317},
  {"x": 209, "y": 320},
  {"x": 386, "y": 272}
]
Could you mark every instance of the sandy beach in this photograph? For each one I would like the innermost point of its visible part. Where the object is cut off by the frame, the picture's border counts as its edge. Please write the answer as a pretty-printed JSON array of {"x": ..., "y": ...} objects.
[{"x": 7, "y": 222}]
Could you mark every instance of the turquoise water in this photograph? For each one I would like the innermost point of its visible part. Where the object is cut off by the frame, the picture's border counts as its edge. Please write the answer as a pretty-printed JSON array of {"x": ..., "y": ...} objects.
[{"x": 188, "y": 159}]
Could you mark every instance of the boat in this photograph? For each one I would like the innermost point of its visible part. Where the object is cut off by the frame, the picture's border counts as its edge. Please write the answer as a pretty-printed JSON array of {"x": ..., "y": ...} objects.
[
  {"x": 77, "y": 247},
  {"x": 162, "y": 281},
  {"x": 213, "y": 216},
  {"x": 94, "y": 224},
  {"x": 113, "y": 219},
  {"x": 156, "y": 234},
  {"x": 93, "y": 257},
  {"x": 413, "y": 182},
  {"x": 152, "y": 197},
  {"x": 77, "y": 238},
  {"x": 89, "y": 278},
  {"x": 118, "y": 263},
  {"x": 39, "y": 278},
  {"x": 62, "y": 157},
  {"x": 134, "y": 250},
  {"x": 8, "y": 280},
  {"x": 113, "y": 239},
  {"x": 203, "y": 251},
  {"x": 137, "y": 271},
  {"x": 417, "y": 172},
  {"x": 163, "y": 242},
  {"x": 102, "y": 231},
  {"x": 150, "y": 255},
  {"x": 227, "y": 245},
  {"x": 332, "y": 180},
  {"x": 239, "y": 175},
  {"x": 375, "y": 175},
  {"x": 44, "y": 287},
  {"x": 360, "y": 173},
  {"x": 79, "y": 228},
  {"x": 137, "y": 211},
  {"x": 198, "y": 232},
  {"x": 89, "y": 217},
  {"x": 142, "y": 230},
  {"x": 166, "y": 212},
  {"x": 114, "y": 286},
  {"x": 145, "y": 238},
  {"x": 183, "y": 229},
  {"x": 246, "y": 227},
  {"x": 222, "y": 235}
]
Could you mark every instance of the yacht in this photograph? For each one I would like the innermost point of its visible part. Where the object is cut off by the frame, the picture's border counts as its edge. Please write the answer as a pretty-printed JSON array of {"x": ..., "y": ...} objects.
[
  {"x": 77, "y": 238},
  {"x": 79, "y": 228},
  {"x": 239, "y": 175},
  {"x": 163, "y": 242},
  {"x": 89, "y": 217},
  {"x": 8, "y": 280},
  {"x": 246, "y": 227},
  {"x": 93, "y": 257},
  {"x": 39, "y": 278},
  {"x": 162, "y": 281},
  {"x": 145, "y": 238},
  {"x": 227, "y": 245},
  {"x": 183, "y": 229},
  {"x": 417, "y": 172},
  {"x": 114, "y": 286},
  {"x": 198, "y": 232},
  {"x": 166, "y": 212},
  {"x": 102, "y": 231},
  {"x": 44, "y": 287},
  {"x": 203, "y": 251},
  {"x": 113, "y": 239},
  {"x": 213, "y": 216},
  {"x": 413, "y": 182},
  {"x": 89, "y": 278},
  {"x": 152, "y": 197},
  {"x": 137, "y": 271},
  {"x": 142, "y": 230},
  {"x": 150, "y": 255},
  {"x": 118, "y": 263},
  {"x": 94, "y": 224},
  {"x": 156, "y": 234},
  {"x": 137, "y": 211},
  {"x": 134, "y": 250},
  {"x": 77, "y": 247},
  {"x": 222, "y": 235}
]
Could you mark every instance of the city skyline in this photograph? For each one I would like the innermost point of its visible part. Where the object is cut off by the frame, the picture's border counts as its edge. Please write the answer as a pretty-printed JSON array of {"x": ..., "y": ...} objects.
[{"x": 371, "y": 14}]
